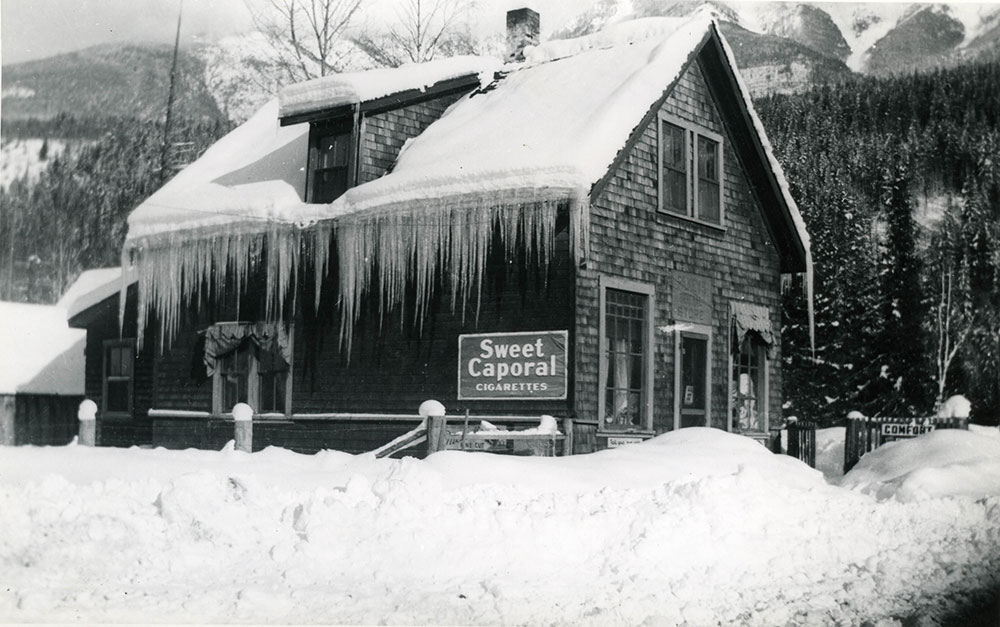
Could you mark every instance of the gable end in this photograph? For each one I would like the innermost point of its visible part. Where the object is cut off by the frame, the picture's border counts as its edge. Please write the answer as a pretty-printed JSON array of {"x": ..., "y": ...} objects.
[{"x": 724, "y": 87}]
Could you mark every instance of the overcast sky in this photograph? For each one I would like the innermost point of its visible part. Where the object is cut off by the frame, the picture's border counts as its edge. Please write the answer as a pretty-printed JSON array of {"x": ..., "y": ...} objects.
[{"x": 34, "y": 29}]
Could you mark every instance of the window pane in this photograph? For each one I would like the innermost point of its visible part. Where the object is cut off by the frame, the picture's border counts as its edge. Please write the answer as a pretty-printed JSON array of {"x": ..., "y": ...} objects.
[
  {"x": 332, "y": 151},
  {"x": 708, "y": 155},
  {"x": 709, "y": 207},
  {"x": 674, "y": 161},
  {"x": 125, "y": 361},
  {"x": 708, "y": 202},
  {"x": 675, "y": 191},
  {"x": 117, "y": 400},
  {"x": 235, "y": 378},
  {"x": 746, "y": 386},
  {"x": 329, "y": 171},
  {"x": 272, "y": 392},
  {"x": 674, "y": 148}
]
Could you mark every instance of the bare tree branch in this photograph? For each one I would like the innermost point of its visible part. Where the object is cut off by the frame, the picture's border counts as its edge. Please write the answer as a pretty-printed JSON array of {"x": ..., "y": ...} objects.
[{"x": 306, "y": 36}]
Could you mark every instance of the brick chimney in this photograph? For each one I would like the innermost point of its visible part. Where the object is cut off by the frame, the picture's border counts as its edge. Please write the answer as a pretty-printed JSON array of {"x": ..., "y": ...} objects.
[{"x": 523, "y": 28}]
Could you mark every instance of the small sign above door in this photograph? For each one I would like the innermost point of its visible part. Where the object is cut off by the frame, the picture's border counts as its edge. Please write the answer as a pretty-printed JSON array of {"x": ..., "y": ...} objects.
[{"x": 691, "y": 298}]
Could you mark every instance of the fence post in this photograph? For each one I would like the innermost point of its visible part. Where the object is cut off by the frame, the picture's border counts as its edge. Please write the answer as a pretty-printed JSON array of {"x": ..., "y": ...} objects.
[
  {"x": 568, "y": 428},
  {"x": 433, "y": 414},
  {"x": 802, "y": 441},
  {"x": 87, "y": 414},
  {"x": 243, "y": 425}
]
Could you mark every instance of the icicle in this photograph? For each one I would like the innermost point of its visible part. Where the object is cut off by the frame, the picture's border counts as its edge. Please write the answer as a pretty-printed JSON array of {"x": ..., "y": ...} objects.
[
  {"x": 810, "y": 306},
  {"x": 173, "y": 270},
  {"x": 418, "y": 242},
  {"x": 382, "y": 253}
]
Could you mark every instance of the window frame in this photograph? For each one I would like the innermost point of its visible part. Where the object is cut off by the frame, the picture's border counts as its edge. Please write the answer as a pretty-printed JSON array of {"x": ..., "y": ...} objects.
[
  {"x": 648, "y": 377},
  {"x": 129, "y": 343},
  {"x": 341, "y": 125},
  {"x": 700, "y": 331},
  {"x": 253, "y": 384},
  {"x": 765, "y": 396},
  {"x": 692, "y": 133}
]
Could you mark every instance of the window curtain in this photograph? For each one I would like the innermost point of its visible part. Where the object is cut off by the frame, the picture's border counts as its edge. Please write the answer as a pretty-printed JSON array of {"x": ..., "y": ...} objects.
[
  {"x": 749, "y": 319},
  {"x": 623, "y": 378},
  {"x": 224, "y": 338}
]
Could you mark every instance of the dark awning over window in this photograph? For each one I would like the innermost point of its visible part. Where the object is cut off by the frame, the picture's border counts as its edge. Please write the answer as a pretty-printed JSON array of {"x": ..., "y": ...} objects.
[
  {"x": 747, "y": 319},
  {"x": 224, "y": 338}
]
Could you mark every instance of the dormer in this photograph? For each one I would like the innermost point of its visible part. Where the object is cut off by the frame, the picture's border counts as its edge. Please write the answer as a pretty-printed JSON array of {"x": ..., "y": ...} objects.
[{"x": 358, "y": 122}]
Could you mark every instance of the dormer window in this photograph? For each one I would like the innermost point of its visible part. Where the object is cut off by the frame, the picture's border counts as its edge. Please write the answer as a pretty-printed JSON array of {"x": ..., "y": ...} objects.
[
  {"x": 330, "y": 160},
  {"x": 690, "y": 166}
]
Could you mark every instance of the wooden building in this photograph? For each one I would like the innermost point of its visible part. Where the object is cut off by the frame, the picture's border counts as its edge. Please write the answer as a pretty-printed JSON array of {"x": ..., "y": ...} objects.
[
  {"x": 598, "y": 232},
  {"x": 41, "y": 375}
]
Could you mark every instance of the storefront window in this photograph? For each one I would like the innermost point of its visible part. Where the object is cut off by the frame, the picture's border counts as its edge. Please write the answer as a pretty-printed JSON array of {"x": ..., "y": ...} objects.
[
  {"x": 625, "y": 369},
  {"x": 747, "y": 385}
]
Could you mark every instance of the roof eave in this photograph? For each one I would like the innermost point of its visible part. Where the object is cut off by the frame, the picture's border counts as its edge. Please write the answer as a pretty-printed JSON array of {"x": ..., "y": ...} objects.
[
  {"x": 390, "y": 102},
  {"x": 764, "y": 181}
]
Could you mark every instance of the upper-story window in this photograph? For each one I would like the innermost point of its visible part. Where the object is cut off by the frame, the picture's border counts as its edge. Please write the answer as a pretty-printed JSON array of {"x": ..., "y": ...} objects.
[
  {"x": 690, "y": 166},
  {"x": 330, "y": 160}
]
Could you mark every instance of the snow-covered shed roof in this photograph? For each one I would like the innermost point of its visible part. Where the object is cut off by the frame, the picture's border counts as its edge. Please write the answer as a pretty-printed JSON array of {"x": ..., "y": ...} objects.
[
  {"x": 41, "y": 354},
  {"x": 92, "y": 287}
]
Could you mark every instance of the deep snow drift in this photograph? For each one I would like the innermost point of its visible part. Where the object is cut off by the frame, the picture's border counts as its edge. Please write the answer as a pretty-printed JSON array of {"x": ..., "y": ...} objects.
[{"x": 695, "y": 527}]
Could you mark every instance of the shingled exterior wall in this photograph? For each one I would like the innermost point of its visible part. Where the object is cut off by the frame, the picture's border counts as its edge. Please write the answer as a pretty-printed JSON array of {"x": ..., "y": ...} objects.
[
  {"x": 630, "y": 239},
  {"x": 384, "y": 134}
]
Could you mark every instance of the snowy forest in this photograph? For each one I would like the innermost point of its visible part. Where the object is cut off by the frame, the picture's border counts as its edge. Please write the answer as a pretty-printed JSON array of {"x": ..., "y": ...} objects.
[
  {"x": 897, "y": 179},
  {"x": 899, "y": 183}
]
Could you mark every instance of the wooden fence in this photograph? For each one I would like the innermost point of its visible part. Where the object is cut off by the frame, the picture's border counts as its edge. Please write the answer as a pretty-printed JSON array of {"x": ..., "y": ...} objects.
[
  {"x": 864, "y": 434},
  {"x": 802, "y": 441}
]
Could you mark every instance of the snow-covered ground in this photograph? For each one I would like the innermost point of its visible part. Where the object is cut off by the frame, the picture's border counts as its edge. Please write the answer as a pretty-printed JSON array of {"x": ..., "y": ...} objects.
[
  {"x": 696, "y": 527},
  {"x": 22, "y": 158}
]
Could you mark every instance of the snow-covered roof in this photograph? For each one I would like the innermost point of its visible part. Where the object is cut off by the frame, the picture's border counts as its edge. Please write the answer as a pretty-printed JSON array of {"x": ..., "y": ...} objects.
[
  {"x": 555, "y": 123},
  {"x": 91, "y": 287},
  {"x": 41, "y": 354},
  {"x": 254, "y": 175},
  {"x": 356, "y": 87}
]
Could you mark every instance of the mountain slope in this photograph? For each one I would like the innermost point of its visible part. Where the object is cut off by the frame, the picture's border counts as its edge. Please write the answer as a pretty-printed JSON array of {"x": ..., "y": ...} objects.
[
  {"x": 877, "y": 38},
  {"x": 771, "y": 64},
  {"x": 105, "y": 81},
  {"x": 922, "y": 38}
]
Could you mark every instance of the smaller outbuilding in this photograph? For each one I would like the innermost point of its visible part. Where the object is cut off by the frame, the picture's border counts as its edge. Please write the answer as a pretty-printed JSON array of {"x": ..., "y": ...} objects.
[{"x": 41, "y": 374}]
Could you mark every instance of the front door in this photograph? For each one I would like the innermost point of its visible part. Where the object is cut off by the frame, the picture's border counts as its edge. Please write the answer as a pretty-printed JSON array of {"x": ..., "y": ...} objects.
[{"x": 691, "y": 404}]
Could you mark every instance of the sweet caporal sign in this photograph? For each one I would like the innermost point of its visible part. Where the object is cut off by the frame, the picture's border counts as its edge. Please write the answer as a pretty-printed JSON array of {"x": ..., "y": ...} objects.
[{"x": 528, "y": 365}]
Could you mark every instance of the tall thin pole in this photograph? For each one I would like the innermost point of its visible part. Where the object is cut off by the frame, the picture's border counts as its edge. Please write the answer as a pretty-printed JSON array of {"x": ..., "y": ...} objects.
[{"x": 170, "y": 99}]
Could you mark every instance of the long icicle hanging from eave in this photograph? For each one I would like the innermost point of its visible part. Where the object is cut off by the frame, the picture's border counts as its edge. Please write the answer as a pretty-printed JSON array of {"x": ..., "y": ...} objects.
[
  {"x": 418, "y": 243},
  {"x": 448, "y": 238},
  {"x": 174, "y": 271}
]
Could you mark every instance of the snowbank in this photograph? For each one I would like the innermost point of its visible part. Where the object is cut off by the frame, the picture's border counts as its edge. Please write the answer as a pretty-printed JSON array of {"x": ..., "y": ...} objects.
[
  {"x": 697, "y": 527},
  {"x": 946, "y": 462},
  {"x": 830, "y": 452}
]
